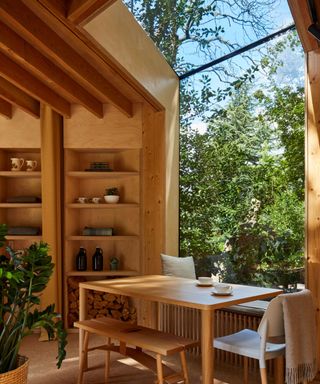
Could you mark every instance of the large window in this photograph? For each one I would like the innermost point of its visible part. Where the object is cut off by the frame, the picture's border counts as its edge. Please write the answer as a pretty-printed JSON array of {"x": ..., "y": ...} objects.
[{"x": 242, "y": 136}]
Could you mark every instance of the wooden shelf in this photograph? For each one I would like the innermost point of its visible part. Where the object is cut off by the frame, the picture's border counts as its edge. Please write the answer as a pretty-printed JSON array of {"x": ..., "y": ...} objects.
[
  {"x": 24, "y": 237},
  {"x": 100, "y": 175},
  {"x": 102, "y": 273},
  {"x": 102, "y": 205},
  {"x": 20, "y": 205},
  {"x": 22, "y": 174},
  {"x": 103, "y": 238}
]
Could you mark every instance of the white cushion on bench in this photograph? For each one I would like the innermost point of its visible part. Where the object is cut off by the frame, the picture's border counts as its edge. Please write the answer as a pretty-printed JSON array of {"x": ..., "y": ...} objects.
[{"x": 178, "y": 266}]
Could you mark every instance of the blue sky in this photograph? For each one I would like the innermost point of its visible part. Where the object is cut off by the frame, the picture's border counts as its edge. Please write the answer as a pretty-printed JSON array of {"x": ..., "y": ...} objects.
[{"x": 275, "y": 17}]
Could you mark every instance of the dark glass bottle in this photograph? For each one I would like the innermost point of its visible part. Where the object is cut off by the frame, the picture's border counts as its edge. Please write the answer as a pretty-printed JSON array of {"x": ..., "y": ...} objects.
[
  {"x": 97, "y": 260},
  {"x": 81, "y": 260}
]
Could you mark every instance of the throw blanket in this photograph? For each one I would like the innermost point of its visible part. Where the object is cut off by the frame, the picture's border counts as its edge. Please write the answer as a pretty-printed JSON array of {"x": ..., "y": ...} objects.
[{"x": 300, "y": 332}]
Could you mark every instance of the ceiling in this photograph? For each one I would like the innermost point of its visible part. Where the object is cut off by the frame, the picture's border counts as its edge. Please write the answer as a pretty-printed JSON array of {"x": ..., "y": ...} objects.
[{"x": 46, "y": 57}]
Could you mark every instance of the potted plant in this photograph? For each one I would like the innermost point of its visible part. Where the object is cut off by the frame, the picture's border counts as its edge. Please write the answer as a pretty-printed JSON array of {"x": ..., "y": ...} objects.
[
  {"x": 23, "y": 276},
  {"x": 112, "y": 195}
]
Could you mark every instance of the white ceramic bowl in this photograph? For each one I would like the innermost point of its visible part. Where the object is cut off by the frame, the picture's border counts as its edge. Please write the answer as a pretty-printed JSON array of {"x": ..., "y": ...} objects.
[
  {"x": 222, "y": 287},
  {"x": 204, "y": 280},
  {"x": 111, "y": 199}
]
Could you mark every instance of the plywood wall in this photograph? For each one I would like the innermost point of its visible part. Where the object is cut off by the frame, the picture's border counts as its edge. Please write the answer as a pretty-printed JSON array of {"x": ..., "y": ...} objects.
[
  {"x": 24, "y": 131},
  {"x": 313, "y": 178}
]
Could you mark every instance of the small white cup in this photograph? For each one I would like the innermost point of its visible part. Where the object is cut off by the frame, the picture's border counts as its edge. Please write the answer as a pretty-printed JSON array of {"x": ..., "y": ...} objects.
[
  {"x": 16, "y": 163},
  {"x": 31, "y": 165},
  {"x": 96, "y": 200},
  {"x": 205, "y": 280},
  {"x": 82, "y": 200},
  {"x": 222, "y": 287}
]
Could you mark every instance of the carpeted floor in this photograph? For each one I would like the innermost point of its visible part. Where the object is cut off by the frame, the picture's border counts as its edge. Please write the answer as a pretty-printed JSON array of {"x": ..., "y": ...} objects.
[{"x": 42, "y": 369}]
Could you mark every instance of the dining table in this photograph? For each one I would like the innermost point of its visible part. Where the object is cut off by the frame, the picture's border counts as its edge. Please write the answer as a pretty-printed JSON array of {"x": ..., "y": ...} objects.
[{"x": 181, "y": 292}]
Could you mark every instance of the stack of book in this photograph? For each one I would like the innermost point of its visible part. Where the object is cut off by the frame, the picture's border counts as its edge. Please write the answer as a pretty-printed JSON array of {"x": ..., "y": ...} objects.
[
  {"x": 99, "y": 166},
  {"x": 90, "y": 231}
]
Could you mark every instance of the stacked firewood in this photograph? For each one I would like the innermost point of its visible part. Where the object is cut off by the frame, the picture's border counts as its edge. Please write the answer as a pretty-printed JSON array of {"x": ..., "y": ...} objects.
[{"x": 99, "y": 304}]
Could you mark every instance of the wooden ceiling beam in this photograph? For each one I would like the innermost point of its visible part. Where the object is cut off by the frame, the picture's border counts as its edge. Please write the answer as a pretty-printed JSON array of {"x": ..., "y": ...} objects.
[
  {"x": 302, "y": 18},
  {"x": 58, "y": 6},
  {"x": 35, "y": 62},
  {"x": 31, "y": 85},
  {"x": 36, "y": 31},
  {"x": 16, "y": 96},
  {"x": 5, "y": 109},
  {"x": 81, "y": 11},
  {"x": 88, "y": 47}
]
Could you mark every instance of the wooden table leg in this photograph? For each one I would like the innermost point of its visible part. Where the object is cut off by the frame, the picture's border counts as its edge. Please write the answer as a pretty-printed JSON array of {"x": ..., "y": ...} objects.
[
  {"x": 82, "y": 316},
  {"x": 207, "y": 351}
]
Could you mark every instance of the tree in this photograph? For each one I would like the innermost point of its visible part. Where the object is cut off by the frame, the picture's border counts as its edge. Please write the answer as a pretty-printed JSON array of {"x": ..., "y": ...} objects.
[
  {"x": 192, "y": 32},
  {"x": 203, "y": 24},
  {"x": 241, "y": 181}
]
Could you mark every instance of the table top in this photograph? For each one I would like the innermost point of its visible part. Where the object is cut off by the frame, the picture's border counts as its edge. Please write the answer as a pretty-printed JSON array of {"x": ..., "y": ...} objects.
[{"x": 178, "y": 291}]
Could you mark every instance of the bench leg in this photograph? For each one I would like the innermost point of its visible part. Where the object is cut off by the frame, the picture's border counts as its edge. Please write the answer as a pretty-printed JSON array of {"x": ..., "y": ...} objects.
[
  {"x": 184, "y": 367},
  {"x": 159, "y": 369},
  {"x": 245, "y": 369},
  {"x": 107, "y": 362},
  {"x": 83, "y": 357}
]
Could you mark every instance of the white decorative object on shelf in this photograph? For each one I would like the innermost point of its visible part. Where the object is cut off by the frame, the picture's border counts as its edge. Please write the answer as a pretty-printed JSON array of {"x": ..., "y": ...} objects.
[
  {"x": 111, "y": 199},
  {"x": 112, "y": 195}
]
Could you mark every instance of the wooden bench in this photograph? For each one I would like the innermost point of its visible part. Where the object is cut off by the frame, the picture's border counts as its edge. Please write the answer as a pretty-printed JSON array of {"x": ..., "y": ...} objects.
[{"x": 141, "y": 338}]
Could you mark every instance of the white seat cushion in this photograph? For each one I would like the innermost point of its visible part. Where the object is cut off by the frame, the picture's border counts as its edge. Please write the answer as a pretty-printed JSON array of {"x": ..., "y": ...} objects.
[
  {"x": 247, "y": 343},
  {"x": 178, "y": 266}
]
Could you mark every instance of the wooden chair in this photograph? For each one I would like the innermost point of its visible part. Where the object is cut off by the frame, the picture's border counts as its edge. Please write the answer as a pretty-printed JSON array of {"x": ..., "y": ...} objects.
[
  {"x": 256, "y": 345},
  {"x": 142, "y": 338}
]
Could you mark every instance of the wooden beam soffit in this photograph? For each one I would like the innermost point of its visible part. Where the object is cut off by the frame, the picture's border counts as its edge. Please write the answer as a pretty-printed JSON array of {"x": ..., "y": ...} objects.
[
  {"x": 81, "y": 11},
  {"x": 58, "y": 6},
  {"x": 302, "y": 18},
  {"x": 29, "y": 25},
  {"x": 31, "y": 59},
  {"x": 87, "y": 46},
  {"x": 31, "y": 85},
  {"x": 16, "y": 96},
  {"x": 5, "y": 109}
]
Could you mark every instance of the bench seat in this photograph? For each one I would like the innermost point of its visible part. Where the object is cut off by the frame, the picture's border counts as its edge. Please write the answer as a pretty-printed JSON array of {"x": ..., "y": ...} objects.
[{"x": 142, "y": 338}]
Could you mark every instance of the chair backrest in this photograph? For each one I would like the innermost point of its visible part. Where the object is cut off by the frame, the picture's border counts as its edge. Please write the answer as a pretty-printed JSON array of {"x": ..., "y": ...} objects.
[{"x": 272, "y": 319}]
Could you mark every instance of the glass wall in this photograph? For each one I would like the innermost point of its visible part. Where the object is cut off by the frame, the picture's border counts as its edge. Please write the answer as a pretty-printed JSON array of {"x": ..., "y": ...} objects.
[
  {"x": 242, "y": 167},
  {"x": 241, "y": 138}
]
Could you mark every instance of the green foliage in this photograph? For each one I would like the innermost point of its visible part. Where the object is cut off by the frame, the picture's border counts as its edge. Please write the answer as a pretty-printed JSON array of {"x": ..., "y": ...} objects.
[
  {"x": 186, "y": 29},
  {"x": 23, "y": 276},
  {"x": 112, "y": 191},
  {"x": 253, "y": 148},
  {"x": 244, "y": 158}
]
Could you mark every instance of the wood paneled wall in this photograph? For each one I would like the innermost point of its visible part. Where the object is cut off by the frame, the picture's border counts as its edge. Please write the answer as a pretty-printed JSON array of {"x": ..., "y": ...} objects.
[{"x": 313, "y": 178}]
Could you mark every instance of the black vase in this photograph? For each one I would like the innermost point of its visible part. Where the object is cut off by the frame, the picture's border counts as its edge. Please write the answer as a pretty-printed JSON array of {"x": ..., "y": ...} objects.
[
  {"x": 97, "y": 260},
  {"x": 81, "y": 260}
]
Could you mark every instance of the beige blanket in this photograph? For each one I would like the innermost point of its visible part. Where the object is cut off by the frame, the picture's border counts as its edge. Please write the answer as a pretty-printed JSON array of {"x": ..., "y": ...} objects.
[{"x": 300, "y": 331}]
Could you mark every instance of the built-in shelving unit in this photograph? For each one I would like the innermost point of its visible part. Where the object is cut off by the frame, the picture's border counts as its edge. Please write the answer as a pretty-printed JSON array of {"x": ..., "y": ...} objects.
[
  {"x": 20, "y": 205},
  {"x": 101, "y": 175},
  {"x": 20, "y": 174},
  {"x": 102, "y": 238},
  {"x": 102, "y": 206},
  {"x": 123, "y": 171},
  {"x": 121, "y": 273},
  {"x": 19, "y": 184},
  {"x": 23, "y": 238}
]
